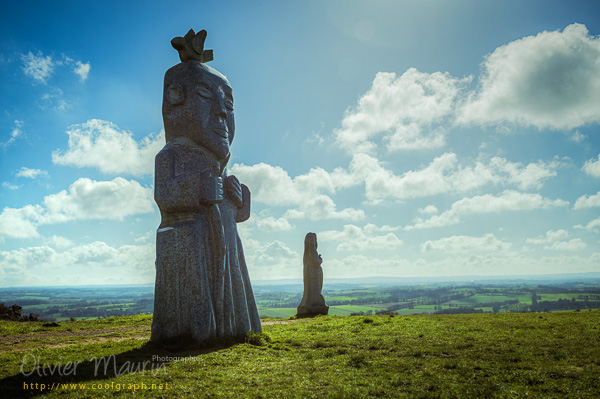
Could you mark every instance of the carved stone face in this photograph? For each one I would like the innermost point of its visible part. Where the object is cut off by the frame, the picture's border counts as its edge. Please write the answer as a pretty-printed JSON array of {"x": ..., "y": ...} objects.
[{"x": 198, "y": 104}]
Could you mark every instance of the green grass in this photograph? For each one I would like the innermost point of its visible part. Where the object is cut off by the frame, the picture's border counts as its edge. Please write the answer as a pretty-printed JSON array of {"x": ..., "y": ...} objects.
[
  {"x": 552, "y": 355},
  {"x": 44, "y": 306},
  {"x": 477, "y": 299},
  {"x": 32, "y": 296},
  {"x": 346, "y": 310},
  {"x": 341, "y": 310},
  {"x": 277, "y": 312},
  {"x": 9, "y": 328},
  {"x": 420, "y": 309},
  {"x": 556, "y": 297},
  {"x": 61, "y": 319},
  {"x": 339, "y": 298}
]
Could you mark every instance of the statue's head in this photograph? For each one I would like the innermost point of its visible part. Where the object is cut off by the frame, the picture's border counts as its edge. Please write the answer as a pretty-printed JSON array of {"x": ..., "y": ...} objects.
[
  {"x": 310, "y": 241},
  {"x": 198, "y": 100}
]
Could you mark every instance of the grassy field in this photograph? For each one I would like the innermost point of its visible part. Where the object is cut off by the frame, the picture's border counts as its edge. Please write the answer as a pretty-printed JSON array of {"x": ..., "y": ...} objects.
[
  {"x": 419, "y": 309},
  {"x": 510, "y": 355},
  {"x": 340, "y": 310},
  {"x": 477, "y": 299},
  {"x": 277, "y": 312},
  {"x": 346, "y": 310}
]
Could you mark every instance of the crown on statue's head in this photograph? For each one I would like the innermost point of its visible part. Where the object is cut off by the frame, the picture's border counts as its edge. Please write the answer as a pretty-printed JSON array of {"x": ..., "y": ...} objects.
[{"x": 191, "y": 47}]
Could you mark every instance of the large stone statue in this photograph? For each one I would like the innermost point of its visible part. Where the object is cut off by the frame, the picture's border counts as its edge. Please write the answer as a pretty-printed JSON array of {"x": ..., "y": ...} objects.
[
  {"x": 202, "y": 285},
  {"x": 312, "y": 302}
]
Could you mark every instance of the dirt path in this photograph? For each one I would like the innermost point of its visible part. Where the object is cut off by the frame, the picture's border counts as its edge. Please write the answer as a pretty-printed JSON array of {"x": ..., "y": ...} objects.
[
  {"x": 7, "y": 344},
  {"x": 273, "y": 322},
  {"x": 72, "y": 333}
]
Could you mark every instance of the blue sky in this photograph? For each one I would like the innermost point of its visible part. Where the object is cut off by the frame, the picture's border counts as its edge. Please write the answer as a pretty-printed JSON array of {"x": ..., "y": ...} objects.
[{"x": 415, "y": 138}]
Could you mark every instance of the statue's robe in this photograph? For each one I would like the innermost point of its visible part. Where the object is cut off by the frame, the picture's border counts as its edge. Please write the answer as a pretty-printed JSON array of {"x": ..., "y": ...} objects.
[
  {"x": 202, "y": 285},
  {"x": 312, "y": 300}
]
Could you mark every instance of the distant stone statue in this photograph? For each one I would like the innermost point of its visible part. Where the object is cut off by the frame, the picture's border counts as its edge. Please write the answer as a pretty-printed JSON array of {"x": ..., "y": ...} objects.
[
  {"x": 312, "y": 302},
  {"x": 202, "y": 285}
]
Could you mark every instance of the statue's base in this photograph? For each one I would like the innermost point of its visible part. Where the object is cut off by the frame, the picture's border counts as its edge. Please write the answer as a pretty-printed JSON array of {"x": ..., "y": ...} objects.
[{"x": 304, "y": 311}]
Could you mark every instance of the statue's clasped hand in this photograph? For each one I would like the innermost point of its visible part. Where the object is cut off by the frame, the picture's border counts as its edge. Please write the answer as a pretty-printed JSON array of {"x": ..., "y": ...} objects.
[
  {"x": 211, "y": 190},
  {"x": 234, "y": 190}
]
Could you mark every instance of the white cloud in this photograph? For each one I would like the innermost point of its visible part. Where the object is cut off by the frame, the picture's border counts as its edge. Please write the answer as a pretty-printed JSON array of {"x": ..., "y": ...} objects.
[
  {"x": 550, "y": 237},
  {"x": 9, "y": 186},
  {"x": 102, "y": 145},
  {"x": 21, "y": 222},
  {"x": 41, "y": 68},
  {"x": 269, "y": 223},
  {"x": 507, "y": 201},
  {"x": 444, "y": 174},
  {"x": 551, "y": 80},
  {"x": 31, "y": 173},
  {"x": 82, "y": 70},
  {"x": 358, "y": 265},
  {"x": 272, "y": 185},
  {"x": 525, "y": 177},
  {"x": 406, "y": 110},
  {"x": 85, "y": 199},
  {"x": 487, "y": 242},
  {"x": 14, "y": 134},
  {"x": 592, "y": 167},
  {"x": 428, "y": 210},
  {"x": 58, "y": 242},
  {"x": 77, "y": 265},
  {"x": 28, "y": 256},
  {"x": 38, "y": 67},
  {"x": 54, "y": 100},
  {"x": 272, "y": 260},
  {"x": 482, "y": 263},
  {"x": 555, "y": 240},
  {"x": 577, "y": 137},
  {"x": 149, "y": 236},
  {"x": 467, "y": 263},
  {"x": 355, "y": 238},
  {"x": 587, "y": 201},
  {"x": 575, "y": 244},
  {"x": 96, "y": 252},
  {"x": 381, "y": 183},
  {"x": 447, "y": 218},
  {"x": 322, "y": 207},
  {"x": 275, "y": 249},
  {"x": 593, "y": 225},
  {"x": 90, "y": 199}
]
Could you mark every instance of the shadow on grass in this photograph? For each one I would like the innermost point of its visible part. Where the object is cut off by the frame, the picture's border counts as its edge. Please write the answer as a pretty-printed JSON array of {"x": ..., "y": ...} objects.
[{"x": 38, "y": 377}]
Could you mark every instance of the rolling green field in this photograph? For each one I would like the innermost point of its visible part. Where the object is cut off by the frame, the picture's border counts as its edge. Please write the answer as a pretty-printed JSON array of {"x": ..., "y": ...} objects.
[
  {"x": 277, "y": 312},
  {"x": 341, "y": 310},
  {"x": 421, "y": 309},
  {"x": 347, "y": 310},
  {"x": 477, "y": 299},
  {"x": 63, "y": 303},
  {"x": 507, "y": 355}
]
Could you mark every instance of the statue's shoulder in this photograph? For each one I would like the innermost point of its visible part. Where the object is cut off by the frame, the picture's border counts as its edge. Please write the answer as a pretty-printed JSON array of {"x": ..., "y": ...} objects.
[{"x": 184, "y": 148}]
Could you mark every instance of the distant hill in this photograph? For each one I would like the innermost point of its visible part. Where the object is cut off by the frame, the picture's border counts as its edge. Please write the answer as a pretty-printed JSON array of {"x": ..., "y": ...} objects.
[
  {"x": 385, "y": 280},
  {"x": 389, "y": 281}
]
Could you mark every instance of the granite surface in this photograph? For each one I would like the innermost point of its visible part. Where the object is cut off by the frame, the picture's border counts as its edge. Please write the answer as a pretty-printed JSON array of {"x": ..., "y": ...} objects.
[
  {"x": 202, "y": 285},
  {"x": 312, "y": 302}
]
